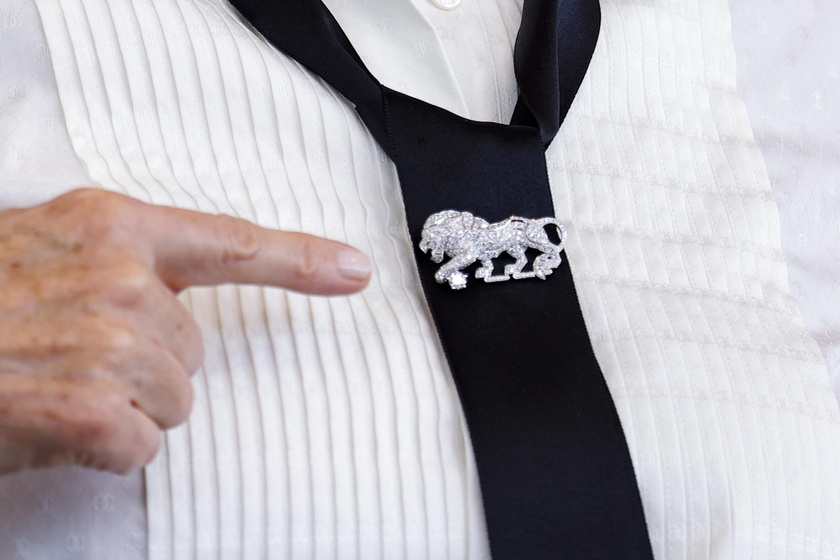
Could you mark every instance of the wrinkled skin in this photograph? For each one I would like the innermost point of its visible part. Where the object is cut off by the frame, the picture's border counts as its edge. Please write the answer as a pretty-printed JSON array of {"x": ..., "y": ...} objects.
[{"x": 95, "y": 349}]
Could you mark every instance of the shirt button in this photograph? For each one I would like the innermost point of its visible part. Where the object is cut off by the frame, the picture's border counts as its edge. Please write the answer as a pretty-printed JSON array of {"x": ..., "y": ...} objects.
[{"x": 446, "y": 4}]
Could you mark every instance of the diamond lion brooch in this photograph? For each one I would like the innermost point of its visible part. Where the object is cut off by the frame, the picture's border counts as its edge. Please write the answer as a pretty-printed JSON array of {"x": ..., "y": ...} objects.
[{"x": 466, "y": 239}]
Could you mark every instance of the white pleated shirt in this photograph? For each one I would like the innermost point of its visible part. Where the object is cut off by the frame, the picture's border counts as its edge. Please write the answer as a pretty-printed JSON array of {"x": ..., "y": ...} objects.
[{"x": 330, "y": 428}]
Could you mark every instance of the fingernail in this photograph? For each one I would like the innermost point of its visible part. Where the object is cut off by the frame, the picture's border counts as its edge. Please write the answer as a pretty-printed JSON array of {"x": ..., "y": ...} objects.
[{"x": 354, "y": 264}]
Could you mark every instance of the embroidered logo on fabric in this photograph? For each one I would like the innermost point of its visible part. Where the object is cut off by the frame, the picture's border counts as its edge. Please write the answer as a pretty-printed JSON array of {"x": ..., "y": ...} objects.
[{"x": 466, "y": 239}]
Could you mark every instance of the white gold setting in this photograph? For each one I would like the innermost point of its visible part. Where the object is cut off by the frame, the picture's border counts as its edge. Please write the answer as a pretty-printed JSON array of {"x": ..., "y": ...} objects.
[{"x": 466, "y": 239}]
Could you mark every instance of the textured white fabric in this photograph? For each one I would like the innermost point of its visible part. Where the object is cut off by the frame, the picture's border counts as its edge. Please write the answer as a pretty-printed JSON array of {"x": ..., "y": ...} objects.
[
  {"x": 789, "y": 72},
  {"x": 35, "y": 152},
  {"x": 330, "y": 428}
]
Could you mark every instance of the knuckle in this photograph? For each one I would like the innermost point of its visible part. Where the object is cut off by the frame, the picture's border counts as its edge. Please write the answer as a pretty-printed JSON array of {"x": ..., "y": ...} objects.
[
  {"x": 128, "y": 283},
  {"x": 96, "y": 423},
  {"x": 117, "y": 344},
  {"x": 119, "y": 339},
  {"x": 102, "y": 433},
  {"x": 70, "y": 201},
  {"x": 99, "y": 350},
  {"x": 307, "y": 261},
  {"x": 95, "y": 212},
  {"x": 241, "y": 239}
]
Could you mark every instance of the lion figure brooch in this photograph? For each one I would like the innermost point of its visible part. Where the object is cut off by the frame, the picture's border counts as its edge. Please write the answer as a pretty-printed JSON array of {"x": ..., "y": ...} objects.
[{"x": 466, "y": 239}]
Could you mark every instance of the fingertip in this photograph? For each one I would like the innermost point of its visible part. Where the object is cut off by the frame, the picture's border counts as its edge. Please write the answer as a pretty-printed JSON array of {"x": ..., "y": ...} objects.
[
  {"x": 354, "y": 266},
  {"x": 319, "y": 266},
  {"x": 347, "y": 271}
]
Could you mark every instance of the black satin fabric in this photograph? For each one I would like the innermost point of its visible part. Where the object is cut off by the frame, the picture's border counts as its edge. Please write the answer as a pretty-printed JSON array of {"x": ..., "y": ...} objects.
[{"x": 556, "y": 476}]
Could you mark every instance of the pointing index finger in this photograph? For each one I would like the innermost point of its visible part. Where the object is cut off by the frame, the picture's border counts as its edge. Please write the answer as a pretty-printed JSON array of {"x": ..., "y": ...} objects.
[{"x": 195, "y": 249}]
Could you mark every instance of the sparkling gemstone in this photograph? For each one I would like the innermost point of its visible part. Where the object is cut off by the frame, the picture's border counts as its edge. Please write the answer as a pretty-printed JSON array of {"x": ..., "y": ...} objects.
[
  {"x": 458, "y": 281},
  {"x": 467, "y": 239}
]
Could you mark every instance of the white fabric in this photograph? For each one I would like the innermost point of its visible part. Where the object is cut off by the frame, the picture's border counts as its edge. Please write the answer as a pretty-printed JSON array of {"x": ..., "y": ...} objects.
[
  {"x": 789, "y": 71},
  {"x": 36, "y": 158},
  {"x": 724, "y": 398}
]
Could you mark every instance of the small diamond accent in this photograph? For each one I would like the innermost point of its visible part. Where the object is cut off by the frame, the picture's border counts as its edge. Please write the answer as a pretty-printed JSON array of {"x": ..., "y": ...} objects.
[
  {"x": 458, "y": 280},
  {"x": 466, "y": 239}
]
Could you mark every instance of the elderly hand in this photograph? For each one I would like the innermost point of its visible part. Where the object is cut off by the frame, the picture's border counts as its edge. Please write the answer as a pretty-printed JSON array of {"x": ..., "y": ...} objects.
[{"x": 95, "y": 349}]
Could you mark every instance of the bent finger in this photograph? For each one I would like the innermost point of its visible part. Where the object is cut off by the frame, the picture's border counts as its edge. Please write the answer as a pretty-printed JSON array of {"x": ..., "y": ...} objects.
[
  {"x": 160, "y": 388},
  {"x": 58, "y": 422}
]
